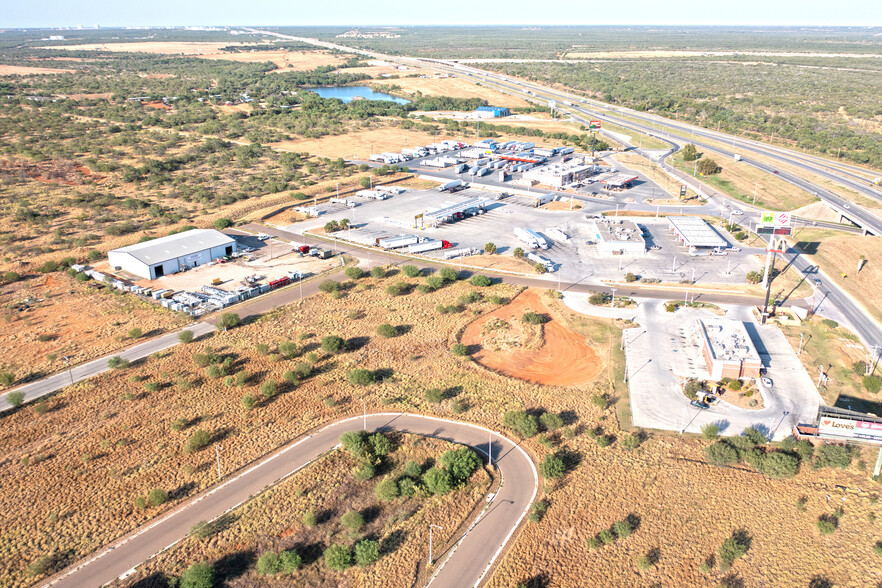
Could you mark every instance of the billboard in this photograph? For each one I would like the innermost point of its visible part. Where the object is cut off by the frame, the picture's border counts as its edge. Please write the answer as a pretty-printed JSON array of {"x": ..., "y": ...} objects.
[
  {"x": 772, "y": 230},
  {"x": 594, "y": 125},
  {"x": 866, "y": 431},
  {"x": 776, "y": 219}
]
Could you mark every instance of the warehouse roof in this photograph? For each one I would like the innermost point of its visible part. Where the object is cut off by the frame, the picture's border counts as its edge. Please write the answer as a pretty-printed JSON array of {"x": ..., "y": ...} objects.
[
  {"x": 177, "y": 245},
  {"x": 695, "y": 232}
]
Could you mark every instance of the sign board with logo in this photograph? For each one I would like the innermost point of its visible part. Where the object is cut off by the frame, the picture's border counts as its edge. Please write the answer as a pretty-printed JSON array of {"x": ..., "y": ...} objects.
[
  {"x": 837, "y": 427},
  {"x": 772, "y": 230},
  {"x": 552, "y": 104},
  {"x": 775, "y": 219},
  {"x": 594, "y": 125},
  {"x": 868, "y": 431}
]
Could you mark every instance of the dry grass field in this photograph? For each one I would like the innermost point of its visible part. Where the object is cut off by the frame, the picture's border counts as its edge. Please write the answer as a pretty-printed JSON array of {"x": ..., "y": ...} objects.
[
  {"x": 361, "y": 143},
  {"x": 284, "y": 60},
  {"x": 23, "y": 70},
  {"x": 64, "y": 317},
  {"x": 454, "y": 87},
  {"x": 837, "y": 253},
  {"x": 328, "y": 488},
  {"x": 198, "y": 48}
]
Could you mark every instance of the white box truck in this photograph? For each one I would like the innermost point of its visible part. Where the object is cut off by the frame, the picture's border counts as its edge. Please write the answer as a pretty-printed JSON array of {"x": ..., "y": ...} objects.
[
  {"x": 430, "y": 245},
  {"x": 543, "y": 152},
  {"x": 549, "y": 266},
  {"x": 527, "y": 238},
  {"x": 397, "y": 241},
  {"x": 450, "y": 185}
]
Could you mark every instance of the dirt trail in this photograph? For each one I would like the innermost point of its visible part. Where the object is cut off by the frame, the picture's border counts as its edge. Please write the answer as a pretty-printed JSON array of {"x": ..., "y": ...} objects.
[{"x": 565, "y": 358}]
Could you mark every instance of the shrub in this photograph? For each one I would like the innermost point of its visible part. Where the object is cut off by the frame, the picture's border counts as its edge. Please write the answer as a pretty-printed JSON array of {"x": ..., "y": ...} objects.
[
  {"x": 413, "y": 469},
  {"x": 397, "y": 289},
  {"x": 600, "y": 401},
  {"x": 197, "y": 440},
  {"x": 552, "y": 467},
  {"x": 550, "y": 421},
  {"x": 268, "y": 564},
  {"x": 268, "y": 389},
  {"x": 827, "y": 525},
  {"x": 606, "y": 536},
  {"x": 710, "y": 431},
  {"x": 151, "y": 386},
  {"x": 411, "y": 271},
  {"x": 15, "y": 399},
  {"x": 290, "y": 561},
  {"x": 434, "y": 282},
  {"x": 48, "y": 267},
  {"x": 7, "y": 379},
  {"x": 378, "y": 272},
  {"x": 361, "y": 377},
  {"x": 524, "y": 424},
  {"x": 309, "y": 519},
  {"x": 829, "y": 323},
  {"x": 229, "y": 320},
  {"x": 186, "y": 336},
  {"x": 11, "y": 276},
  {"x": 833, "y": 456},
  {"x": 222, "y": 223},
  {"x": 629, "y": 277},
  {"x": 448, "y": 274},
  {"x": 329, "y": 286},
  {"x": 41, "y": 407},
  {"x": 117, "y": 363},
  {"x": 140, "y": 503},
  {"x": 365, "y": 471},
  {"x": 242, "y": 378},
  {"x": 731, "y": 549},
  {"x": 135, "y": 333},
  {"x": 461, "y": 463},
  {"x": 481, "y": 280},
  {"x": 380, "y": 445},
  {"x": 387, "y": 330},
  {"x": 630, "y": 442},
  {"x": 198, "y": 575},
  {"x": 288, "y": 349},
  {"x": 537, "y": 511},
  {"x": 157, "y": 496},
  {"x": 872, "y": 383},
  {"x": 333, "y": 344},
  {"x": 338, "y": 557},
  {"x": 367, "y": 552},
  {"x": 386, "y": 489},
  {"x": 354, "y": 442},
  {"x": 437, "y": 481},
  {"x": 354, "y": 272},
  {"x": 352, "y": 520},
  {"x": 708, "y": 167},
  {"x": 434, "y": 395},
  {"x": 459, "y": 349},
  {"x": 779, "y": 465},
  {"x": 531, "y": 318},
  {"x": 643, "y": 562},
  {"x": 622, "y": 529},
  {"x": 721, "y": 454}
]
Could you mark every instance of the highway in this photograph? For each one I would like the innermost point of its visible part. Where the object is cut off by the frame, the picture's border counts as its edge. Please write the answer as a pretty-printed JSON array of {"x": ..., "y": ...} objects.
[{"x": 464, "y": 565}]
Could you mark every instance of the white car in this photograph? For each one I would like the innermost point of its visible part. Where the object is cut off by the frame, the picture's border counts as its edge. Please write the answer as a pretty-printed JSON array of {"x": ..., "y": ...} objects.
[
  {"x": 767, "y": 382},
  {"x": 737, "y": 212},
  {"x": 263, "y": 237}
]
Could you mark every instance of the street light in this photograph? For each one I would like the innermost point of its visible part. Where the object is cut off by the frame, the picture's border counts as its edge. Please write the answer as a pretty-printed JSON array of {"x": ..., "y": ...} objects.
[
  {"x": 217, "y": 449},
  {"x": 69, "y": 372},
  {"x": 613, "y": 299},
  {"x": 431, "y": 561},
  {"x": 364, "y": 407}
]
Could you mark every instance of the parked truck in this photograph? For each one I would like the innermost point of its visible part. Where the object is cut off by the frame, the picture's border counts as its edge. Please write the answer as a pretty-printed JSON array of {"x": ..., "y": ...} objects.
[
  {"x": 526, "y": 237},
  {"x": 344, "y": 202},
  {"x": 463, "y": 252},
  {"x": 543, "y": 152},
  {"x": 545, "y": 198},
  {"x": 397, "y": 242},
  {"x": 450, "y": 185},
  {"x": 546, "y": 263},
  {"x": 429, "y": 245}
]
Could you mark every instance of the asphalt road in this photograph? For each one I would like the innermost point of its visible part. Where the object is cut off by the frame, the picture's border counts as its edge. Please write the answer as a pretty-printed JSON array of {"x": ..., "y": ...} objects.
[{"x": 465, "y": 565}]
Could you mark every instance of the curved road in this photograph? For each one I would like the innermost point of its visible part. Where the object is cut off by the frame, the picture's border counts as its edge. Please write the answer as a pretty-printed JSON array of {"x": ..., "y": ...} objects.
[{"x": 464, "y": 565}]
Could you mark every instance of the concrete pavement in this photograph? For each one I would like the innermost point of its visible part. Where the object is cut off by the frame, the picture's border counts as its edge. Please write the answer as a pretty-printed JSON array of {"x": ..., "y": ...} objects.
[{"x": 464, "y": 565}]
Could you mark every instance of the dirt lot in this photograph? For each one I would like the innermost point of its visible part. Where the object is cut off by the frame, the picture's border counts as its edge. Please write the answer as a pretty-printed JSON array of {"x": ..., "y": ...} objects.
[
  {"x": 362, "y": 143},
  {"x": 454, "y": 87},
  {"x": 197, "y": 48},
  {"x": 22, "y": 70},
  {"x": 556, "y": 357},
  {"x": 328, "y": 488},
  {"x": 284, "y": 60},
  {"x": 73, "y": 319}
]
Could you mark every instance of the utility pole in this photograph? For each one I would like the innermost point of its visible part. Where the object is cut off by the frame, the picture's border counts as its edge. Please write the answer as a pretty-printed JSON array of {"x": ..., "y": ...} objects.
[
  {"x": 431, "y": 560},
  {"x": 69, "y": 372},
  {"x": 490, "y": 449},
  {"x": 364, "y": 407},
  {"x": 217, "y": 449},
  {"x": 754, "y": 191},
  {"x": 613, "y": 299},
  {"x": 674, "y": 265},
  {"x": 799, "y": 351}
]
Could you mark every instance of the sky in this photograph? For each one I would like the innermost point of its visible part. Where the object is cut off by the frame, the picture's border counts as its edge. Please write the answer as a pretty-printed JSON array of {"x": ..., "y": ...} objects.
[{"x": 113, "y": 13}]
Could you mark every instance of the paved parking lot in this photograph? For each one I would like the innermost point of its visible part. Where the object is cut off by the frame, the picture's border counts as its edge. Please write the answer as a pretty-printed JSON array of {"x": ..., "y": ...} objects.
[{"x": 659, "y": 357}]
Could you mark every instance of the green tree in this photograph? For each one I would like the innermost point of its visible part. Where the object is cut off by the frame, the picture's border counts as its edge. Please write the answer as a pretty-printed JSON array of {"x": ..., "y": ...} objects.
[
  {"x": 754, "y": 277},
  {"x": 630, "y": 442},
  {"x": 733, "y": 548},
  {"x": 721, "y": 454},
  {"x": 690, "y": 153},
  {"x": 550, "y": 421},
  {"x": 481, "y": 280},
  {"x": 269, "y": 564},
  {"x": 157, "y": 496},
  {"x": 338, "y": 557},
  {"x": 378, "y": 272},
  {"x": 333, "y": 344},
  {"x": 459, "y": 349},
  {"x": 355, "y": 443},
  {"x": 15, "y": 399},
  {"x": 387, "y": 489},
  {"x": 622, "y": 529},
  {"x": 519, "y": 253},
  {"x": 197, "y": 440},
  {"x": 360, "y": 377},
  {"x": 448, "y": 274},
  {"x": 228, "y": 320},
  {"x": 708, "y": 167},
  {"x": 354, "y": 272},
  {"x": 552, "y": 467},
  {"x": 524, "y": 424},
  {"x": 222, "y": 223},
  {"x": 779, "y": 465},
  {"x": 490, "y": 248},
  {"x": 117, "y": 363},
  {"x": 290, "y": 561},
  {"x": 329, "y": 286},
  {"x": 710, "y": 431},
  {"x": 437, "y": 481},
  {"x": 413, "y": 469},
  {"x": 198, "y": 575},
  {"x": 268, "y": 389},
  {"x": 7, "y": 379},
  {"x": 461, "y": 463},
  {"x": 352, "y": 520},
  {"x": 186, "y": 336},
  {"x": 411, "y": 271},
  {"x": 380, "y": 444},
  {"x": 367, "y": 551},
  {"x": 288, "y": 349}
]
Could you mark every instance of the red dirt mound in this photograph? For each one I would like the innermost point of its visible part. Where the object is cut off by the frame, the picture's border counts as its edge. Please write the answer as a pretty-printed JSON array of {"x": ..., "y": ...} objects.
[{"x": 564, "y": 359}]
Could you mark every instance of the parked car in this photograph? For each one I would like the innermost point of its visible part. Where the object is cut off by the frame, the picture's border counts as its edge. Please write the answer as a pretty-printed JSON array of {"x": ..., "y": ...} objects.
[
  {"x": 816, "y": 281},
  {"x": 699, "y": 404},
  {"x": 263, "y": 237},
  {"x": 767, "y": 381}
]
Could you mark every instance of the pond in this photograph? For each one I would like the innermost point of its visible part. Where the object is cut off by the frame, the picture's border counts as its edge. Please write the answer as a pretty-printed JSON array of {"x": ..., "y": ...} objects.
[{"x": 347, "y": 93}]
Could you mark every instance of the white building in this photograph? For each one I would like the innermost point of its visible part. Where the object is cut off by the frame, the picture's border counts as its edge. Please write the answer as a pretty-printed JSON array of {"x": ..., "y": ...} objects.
[
  {"x": 694, "y": 233},
  {"x": 558, "y": 175},
  {"x": 615, "y": 236},
  {"x": 168, "y": 255}
]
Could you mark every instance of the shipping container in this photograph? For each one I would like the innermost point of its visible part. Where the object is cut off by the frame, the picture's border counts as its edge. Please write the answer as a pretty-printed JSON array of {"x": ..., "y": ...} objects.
[{"x": 430, "y": 245}]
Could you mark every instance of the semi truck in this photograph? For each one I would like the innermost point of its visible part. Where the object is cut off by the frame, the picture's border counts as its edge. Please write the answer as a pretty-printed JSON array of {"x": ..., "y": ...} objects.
[
  {"x": 428, "y": 245},
  {"x": 344, "y": 202},
  {"x": 463, "y": 252},
  {"x": 546, "y": 263},
  {"x": 450, "y": 185},
  {"x": 543, "y": 152},
  {"x": 526, "y": 237},
  {"x": 397, "y": 242},
  {"x": 545, "y": 198}
]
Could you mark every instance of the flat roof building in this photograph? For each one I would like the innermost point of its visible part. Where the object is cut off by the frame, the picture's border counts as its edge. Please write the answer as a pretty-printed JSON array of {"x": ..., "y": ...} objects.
[
  {"x": 558, "y": 175},
  {"x": 614, "y": 236},
  {"x": 492, "y": 111},
  {"x": 694, "y": 233},
  {"x": 168, "y": 255},
  {"x": 618, "y": 181},
  {"x": 728, "y": 350}
]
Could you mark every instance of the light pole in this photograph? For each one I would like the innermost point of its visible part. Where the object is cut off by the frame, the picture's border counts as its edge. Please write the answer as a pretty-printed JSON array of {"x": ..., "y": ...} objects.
[
  {"x": 338, "y": 189},
  {"x": 490, "y": 449},
  {"x": 364, "y": 407},
  {"x": 674, "y": 265},
  {"x": 69, "y": 372},
  {"x": 431, "y": 561},
  {"x": 217, "y": 449},
  {"x": 613, "y": 299},
  {"x": 799, "y": 352}
]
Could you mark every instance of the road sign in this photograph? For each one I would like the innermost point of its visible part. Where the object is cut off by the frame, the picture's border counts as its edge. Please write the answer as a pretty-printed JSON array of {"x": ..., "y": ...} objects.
[
  {"x": 594, "y": 125},
  {"x": 683, "y": 190},
  {"x": 772, "y": 230},
  {"x": 776, "y": 219},
  {"x": 552, "y": 104}
]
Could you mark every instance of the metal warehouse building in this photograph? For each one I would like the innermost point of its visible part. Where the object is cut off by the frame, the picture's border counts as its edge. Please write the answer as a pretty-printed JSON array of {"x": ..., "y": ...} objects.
[
  {"x": 695, "y": 233},
  {"x": 168, "y": 255},
  {"x": 492, "y": 111}
]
